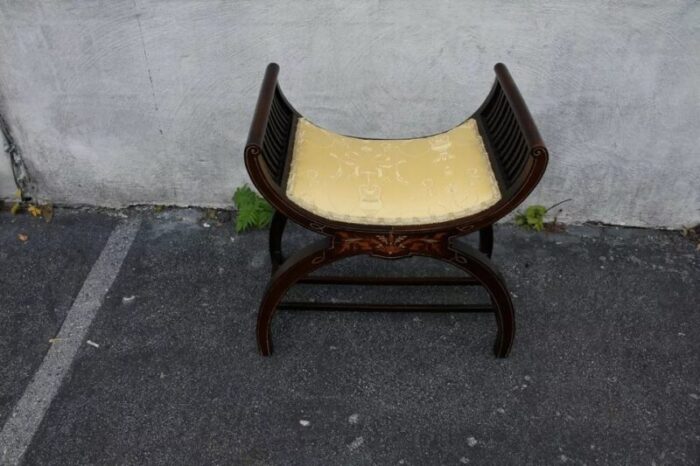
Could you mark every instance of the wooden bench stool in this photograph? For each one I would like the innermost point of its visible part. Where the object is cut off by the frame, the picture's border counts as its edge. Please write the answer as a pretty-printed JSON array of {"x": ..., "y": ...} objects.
[{"x": 393, "y": 198}]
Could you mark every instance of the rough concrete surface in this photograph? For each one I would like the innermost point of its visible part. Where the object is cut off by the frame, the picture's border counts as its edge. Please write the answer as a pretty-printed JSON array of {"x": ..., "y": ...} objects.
[
  {"x": 31, "y": 408},
  {"x": 604, "y": 370},
  {"x": 39, "y": 279},
  {"x": 149, "y": 101},
  {"x": 7, "y": 183}
]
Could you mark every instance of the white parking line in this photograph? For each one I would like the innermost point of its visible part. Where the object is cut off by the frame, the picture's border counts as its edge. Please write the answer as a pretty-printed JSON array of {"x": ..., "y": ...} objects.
[{"x": 36, "y": 399}]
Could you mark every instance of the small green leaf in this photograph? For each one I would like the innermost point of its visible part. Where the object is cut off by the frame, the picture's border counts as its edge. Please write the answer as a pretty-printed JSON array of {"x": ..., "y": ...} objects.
[
  {"x": 534, "y": 216},
  {"x": 244, "y": 196},
  {"x": 253, "y": 210},
  {"x": 265, "y": 212},
  {"x": 244, "y": 219}
]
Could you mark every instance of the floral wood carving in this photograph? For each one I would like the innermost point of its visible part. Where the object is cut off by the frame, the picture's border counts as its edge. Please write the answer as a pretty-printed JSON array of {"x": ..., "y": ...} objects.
[{"x": 390, "y": 245}]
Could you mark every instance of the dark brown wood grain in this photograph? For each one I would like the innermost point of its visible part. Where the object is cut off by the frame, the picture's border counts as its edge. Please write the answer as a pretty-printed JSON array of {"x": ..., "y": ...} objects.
[{"x": 389, "y": 245}]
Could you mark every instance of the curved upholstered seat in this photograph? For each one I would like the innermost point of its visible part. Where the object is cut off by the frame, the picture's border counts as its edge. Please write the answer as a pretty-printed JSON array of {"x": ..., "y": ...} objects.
[
  {"x": 391, "y": 181},
  {"x": 393, "y": 198}
]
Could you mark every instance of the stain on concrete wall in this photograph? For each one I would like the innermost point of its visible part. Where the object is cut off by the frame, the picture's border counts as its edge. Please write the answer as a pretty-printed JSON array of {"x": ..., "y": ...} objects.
[
  {"x": 14, "y": 180},
  {"x": 125, "y": 102}
]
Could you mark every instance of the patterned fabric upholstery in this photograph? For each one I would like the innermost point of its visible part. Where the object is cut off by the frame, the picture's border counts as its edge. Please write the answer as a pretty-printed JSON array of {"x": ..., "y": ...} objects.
[{"x": 393, "y": 181}]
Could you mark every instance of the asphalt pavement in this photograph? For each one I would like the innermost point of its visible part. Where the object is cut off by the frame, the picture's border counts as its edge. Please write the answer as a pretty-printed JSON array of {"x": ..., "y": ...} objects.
[{"x": 604, "y": 369}]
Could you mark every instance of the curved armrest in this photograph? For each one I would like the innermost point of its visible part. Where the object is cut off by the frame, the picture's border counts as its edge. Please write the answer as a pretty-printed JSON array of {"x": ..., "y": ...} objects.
[
  {"x": 518, "y": 106},
  {"x": 262, "y": 108},
  {"x": 511, "y": 133},
  {"x": 272, "y": 126}
]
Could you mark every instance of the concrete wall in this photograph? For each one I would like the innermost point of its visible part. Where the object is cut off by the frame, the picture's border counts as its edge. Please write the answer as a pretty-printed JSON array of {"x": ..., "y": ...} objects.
[
  {"x": 122, "y": 102},
  {"x": 7, "y": 183}
]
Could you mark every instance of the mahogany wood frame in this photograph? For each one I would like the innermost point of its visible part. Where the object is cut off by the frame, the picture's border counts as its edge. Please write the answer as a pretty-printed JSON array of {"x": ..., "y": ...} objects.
[{"x": 518, "y": 157}]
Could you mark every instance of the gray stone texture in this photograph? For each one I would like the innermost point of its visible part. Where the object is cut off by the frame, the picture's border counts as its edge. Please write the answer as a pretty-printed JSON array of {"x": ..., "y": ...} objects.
[{"x": 139, "y": 101}]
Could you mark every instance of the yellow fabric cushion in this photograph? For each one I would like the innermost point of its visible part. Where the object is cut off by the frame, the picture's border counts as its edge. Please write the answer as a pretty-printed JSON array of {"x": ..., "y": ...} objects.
[{"x": 391, "y": 181}]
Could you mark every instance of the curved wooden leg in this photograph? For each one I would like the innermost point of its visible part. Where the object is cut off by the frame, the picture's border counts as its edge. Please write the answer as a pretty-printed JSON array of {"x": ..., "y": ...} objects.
[
  {"x": 481, "y": 268},
  {"x": 295, "y": 267},
  {"x": 486, "y": 240},
  {"x": 277, "y": 225}
]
